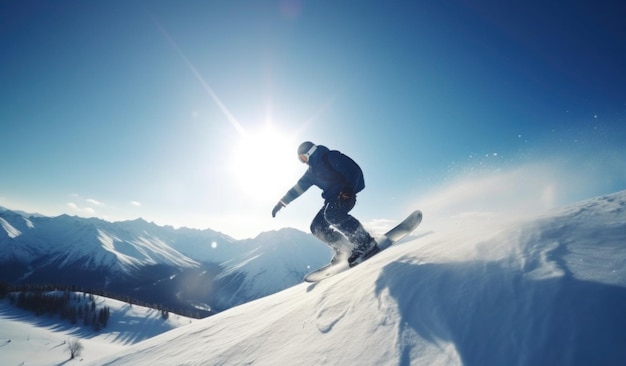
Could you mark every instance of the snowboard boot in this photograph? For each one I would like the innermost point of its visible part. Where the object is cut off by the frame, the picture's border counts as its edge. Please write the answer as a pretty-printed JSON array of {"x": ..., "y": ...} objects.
[
  {"x": 341, "y": 250},
  {"x": 363, "y": 251},
  {"x": 337, "y": 255}
]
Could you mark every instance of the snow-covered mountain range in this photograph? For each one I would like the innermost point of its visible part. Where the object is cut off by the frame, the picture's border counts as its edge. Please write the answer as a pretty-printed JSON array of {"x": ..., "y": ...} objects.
[{"x": 196, "y": 269}]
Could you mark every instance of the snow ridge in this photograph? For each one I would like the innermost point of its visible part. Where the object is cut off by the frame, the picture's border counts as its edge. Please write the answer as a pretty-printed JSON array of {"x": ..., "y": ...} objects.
[{"x": 10, "y": 230}]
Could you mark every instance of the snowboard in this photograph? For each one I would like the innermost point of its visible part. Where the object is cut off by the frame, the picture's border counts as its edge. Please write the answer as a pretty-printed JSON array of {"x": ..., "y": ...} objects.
[{"x": 392, "y": 236}]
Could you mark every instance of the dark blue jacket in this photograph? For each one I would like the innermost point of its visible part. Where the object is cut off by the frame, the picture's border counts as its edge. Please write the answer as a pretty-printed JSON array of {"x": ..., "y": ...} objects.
[{"x": 331, "y": 171}]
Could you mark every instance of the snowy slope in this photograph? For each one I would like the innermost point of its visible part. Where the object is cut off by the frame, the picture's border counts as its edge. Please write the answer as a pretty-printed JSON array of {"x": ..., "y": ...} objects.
[
  {"x": 548, "y": 291},
  {"x": 29, "y": 340},
  {"x": 11, "y": 232}
]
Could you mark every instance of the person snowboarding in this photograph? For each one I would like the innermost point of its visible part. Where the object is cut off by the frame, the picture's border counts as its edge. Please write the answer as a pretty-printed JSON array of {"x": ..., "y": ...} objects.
[{"x": 340, "y": 179}]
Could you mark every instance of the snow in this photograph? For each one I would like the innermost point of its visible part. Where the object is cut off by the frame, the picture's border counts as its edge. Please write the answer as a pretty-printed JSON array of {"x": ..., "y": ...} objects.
[
  {"x": 29, "y": 340},
  {"x": 271, "y": 265},
  {"x": 120, "y": 246},
  {"x": 10, "y": 230},
  {"x": 94, "y": 248},
  {"x": 551, "y": 290},
  {"x": 547, "y": 290}
]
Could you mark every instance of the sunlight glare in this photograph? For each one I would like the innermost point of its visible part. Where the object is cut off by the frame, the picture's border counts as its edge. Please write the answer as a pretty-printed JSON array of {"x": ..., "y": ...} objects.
[{"x": 265, "y": 164}]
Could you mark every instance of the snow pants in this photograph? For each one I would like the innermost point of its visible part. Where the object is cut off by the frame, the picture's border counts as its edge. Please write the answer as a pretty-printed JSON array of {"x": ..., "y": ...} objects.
[{"x": 333, "y": 222}]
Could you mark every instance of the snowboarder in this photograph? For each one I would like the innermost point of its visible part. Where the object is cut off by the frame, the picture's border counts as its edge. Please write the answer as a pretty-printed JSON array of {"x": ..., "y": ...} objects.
[{"x": 340, "y": 179}]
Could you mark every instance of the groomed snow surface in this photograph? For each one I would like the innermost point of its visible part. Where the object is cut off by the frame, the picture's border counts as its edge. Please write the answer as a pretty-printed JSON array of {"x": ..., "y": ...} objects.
[{"x": 546, "y": 291}]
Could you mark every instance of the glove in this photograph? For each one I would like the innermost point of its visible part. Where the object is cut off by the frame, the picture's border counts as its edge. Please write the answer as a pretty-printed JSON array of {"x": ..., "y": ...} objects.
[{"x": 277, "y": 208}]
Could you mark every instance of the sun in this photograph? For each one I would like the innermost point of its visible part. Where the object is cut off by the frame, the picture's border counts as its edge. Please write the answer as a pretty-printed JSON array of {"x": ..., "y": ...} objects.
[{"x": 264, "y": 164}]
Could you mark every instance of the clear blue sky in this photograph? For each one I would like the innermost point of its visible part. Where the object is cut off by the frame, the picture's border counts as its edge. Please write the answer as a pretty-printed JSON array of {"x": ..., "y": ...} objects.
[{"x": 188, "y": 113}]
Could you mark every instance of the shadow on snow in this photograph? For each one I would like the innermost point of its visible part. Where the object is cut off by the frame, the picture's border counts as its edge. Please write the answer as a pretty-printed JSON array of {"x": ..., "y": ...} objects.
[
  {"x": 497, "y": 316},
  {"x": 123, "y": 328}
]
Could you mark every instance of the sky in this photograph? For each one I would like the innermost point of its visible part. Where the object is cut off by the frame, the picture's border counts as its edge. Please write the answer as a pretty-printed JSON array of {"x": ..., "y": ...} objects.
[{"x": 189, "y": 113}]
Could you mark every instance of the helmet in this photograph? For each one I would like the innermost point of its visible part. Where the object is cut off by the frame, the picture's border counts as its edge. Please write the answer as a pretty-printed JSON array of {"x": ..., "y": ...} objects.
[{"x": 305, "y": 150}]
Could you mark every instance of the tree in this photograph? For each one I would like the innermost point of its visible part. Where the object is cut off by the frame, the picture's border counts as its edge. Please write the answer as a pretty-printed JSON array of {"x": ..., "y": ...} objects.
[{"x": 75, "y": 348}]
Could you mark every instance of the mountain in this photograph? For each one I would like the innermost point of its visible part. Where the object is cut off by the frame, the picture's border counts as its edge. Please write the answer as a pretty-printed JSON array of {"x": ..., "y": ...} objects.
[
  {"x": 199, "y": 271},
  {"x": 547, "y": 291}
]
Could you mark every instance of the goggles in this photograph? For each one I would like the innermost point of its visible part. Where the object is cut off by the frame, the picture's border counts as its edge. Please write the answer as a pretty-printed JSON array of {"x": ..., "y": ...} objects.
[{"x": 305, "y": 157}]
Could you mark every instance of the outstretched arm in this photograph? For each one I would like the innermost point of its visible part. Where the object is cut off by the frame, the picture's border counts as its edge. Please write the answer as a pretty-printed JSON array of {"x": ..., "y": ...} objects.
[{"x": 303, "y": 184}]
